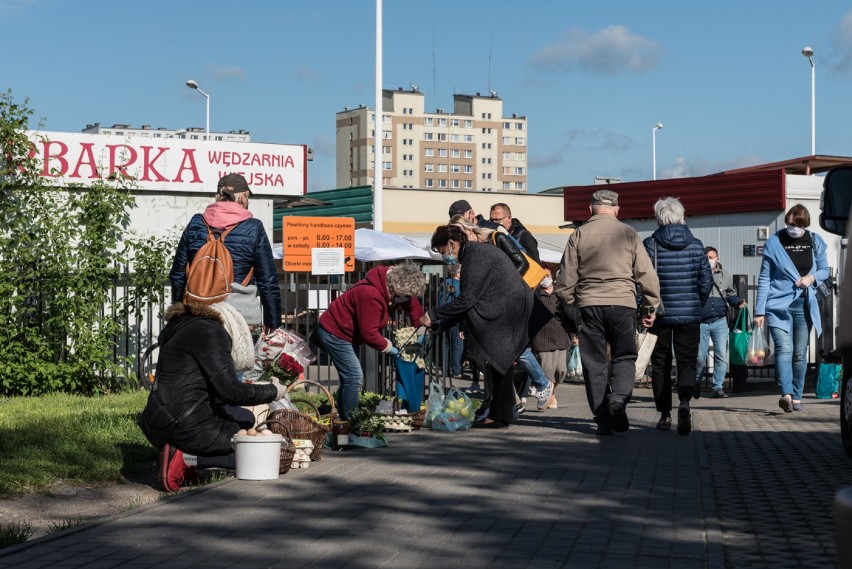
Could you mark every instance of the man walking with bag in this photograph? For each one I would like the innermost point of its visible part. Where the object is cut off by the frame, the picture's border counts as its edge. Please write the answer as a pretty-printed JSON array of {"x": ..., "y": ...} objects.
[
  {"x": 603, "y": 263},
  {"x": 249, "y": 248}
]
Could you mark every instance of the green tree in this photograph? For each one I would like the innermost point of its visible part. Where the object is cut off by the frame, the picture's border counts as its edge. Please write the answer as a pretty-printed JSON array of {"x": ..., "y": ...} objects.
[{"x": 59, "y": 320}]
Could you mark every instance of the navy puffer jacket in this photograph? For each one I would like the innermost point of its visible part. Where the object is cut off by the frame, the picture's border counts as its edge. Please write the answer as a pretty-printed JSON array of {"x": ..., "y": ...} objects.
[
  {"x": 249, "y": 248},
  {"x": 685, "y": 279}
]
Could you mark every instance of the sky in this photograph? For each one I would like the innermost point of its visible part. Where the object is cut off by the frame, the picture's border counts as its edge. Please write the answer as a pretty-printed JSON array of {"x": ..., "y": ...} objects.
[{"x": 726, "y": 78}]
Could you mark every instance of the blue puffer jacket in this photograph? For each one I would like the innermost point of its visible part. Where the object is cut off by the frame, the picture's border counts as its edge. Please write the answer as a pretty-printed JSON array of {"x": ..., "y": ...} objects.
[
  {"x": 685, "y": 279},
  {"x": 249, "y": 248}
]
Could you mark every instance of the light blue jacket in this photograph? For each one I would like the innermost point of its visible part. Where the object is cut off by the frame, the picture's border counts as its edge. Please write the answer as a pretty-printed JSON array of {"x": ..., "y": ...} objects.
[{"x": 776, "y": 285}]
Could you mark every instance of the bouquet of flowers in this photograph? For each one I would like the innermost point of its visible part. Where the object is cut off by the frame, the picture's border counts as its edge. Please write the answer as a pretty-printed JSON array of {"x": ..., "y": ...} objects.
[{"x": 285, "y": 368}]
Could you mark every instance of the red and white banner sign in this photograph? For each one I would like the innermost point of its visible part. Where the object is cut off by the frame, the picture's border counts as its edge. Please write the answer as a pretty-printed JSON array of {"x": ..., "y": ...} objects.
[{"x": 170, "y": 164}]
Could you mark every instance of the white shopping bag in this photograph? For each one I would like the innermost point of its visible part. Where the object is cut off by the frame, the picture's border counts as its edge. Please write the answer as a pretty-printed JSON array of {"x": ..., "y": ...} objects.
[{"x": 645, "y": 342}]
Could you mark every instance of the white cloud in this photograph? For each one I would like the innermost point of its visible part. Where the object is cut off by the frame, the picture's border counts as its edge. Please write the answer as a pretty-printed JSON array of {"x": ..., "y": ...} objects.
[
  {"x": 610, "y": 51},
  {"x": 226, "y": 72},
  {"x": 597, "y": 139},
  {"x": 12, "y": 7},
  {"x": 841, "y": 44},
  {"x": 324, "y": 145},
  {"x": 700, "y": 166}
]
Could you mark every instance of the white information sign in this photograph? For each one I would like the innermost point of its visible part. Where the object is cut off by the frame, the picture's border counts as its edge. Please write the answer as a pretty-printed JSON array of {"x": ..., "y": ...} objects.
[
  {"x": 169, "y": 164},
  {"x": 327, "y": 261}
]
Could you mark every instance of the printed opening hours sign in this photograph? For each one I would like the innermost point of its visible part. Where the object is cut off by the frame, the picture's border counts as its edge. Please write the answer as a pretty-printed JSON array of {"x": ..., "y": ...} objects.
[{"x": 303, "y": 234}]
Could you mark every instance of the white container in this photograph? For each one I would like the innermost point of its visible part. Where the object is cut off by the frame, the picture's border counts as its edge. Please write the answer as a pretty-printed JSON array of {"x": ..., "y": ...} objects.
[{"x": 257, "y": 457}]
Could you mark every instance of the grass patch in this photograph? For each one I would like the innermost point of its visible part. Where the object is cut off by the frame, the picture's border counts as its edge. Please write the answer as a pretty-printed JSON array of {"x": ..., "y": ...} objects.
[
  {"x": 69, "y": 437},
  {"x": 65, "y": 524},
  {"x": 11, "y": 534}
]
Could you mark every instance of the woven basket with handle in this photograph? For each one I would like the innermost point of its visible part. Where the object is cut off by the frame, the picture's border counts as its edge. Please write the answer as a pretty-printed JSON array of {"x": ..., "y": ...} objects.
[
  {"x": 306, "y": 425},
  {"x": 288, "y": 449}
]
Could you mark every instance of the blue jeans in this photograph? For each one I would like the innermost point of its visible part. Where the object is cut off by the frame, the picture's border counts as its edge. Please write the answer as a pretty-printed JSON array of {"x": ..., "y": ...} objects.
[
  {"x": 533, "y": 369},
  {"x": 718, "y": 331},
  {"x": 348, "y": 369},
  {"x": 791, "y": 351},
  {"x": 454, "y": 346}
]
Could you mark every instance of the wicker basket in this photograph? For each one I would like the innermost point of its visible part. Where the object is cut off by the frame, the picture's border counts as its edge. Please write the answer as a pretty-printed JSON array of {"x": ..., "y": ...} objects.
[
  {"x": 303, "y": 425},
  {"x": 288, "y": 449},
  {"x": 417, "y": 419}
]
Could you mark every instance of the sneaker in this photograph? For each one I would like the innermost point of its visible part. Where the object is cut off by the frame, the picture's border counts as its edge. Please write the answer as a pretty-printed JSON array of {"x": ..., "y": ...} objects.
[
  {"x": 684, "y": 419},
  {"x": 719, "y": 394},
  {"x": 786, "y": 404},
  {"x": 544, "y": 396},
  {"x": 665, "y": 422},
  {"x": 620, "y": 423},
  {"x": 798, "y": 406},
  {"x": 519, "y": 408},
  {"x": 173, "y": 472}
]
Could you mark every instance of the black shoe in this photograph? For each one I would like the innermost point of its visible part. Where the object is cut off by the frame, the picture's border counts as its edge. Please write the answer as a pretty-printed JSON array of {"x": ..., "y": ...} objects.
[
  {"x": 620, "y": 423},
  {"x": 719, "y": 394},
  {"x": 665, "y": 422},
  {"x": 696, "y": 392},
  {"x": 605, "y": 428},
  {"x": 684, "y": 420},
  {"x": 488, "y": 424}
]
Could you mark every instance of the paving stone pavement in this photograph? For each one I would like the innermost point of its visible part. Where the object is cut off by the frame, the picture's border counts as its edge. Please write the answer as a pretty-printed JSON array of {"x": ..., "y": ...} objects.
[{"x": 750, "y": 487}]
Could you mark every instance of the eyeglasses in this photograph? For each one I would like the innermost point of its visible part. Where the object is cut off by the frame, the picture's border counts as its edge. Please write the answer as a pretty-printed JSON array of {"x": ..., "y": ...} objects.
[{"x": 498, "y": 219}]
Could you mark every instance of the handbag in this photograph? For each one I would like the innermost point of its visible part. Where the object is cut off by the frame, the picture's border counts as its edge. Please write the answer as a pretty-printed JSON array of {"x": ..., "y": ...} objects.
[
  {"x": 645, "y": 342},
  {"x": 535, "y": 273},
  {"x": 828, "y": 380},
  {"x": 660, "y": 311},
  {"x": 730, "y": 311},
  {"x": 738, "y": 338},
  {"x": 244, "y": 299},
  {"x": 825, "y": 289}
]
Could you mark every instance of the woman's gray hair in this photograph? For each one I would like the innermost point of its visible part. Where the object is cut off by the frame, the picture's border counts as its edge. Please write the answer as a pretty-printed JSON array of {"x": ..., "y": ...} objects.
[
  {"x": 669, "y": 211},
  {"x": 482, "y": 233},
  {"x": 406, "y": 279}
]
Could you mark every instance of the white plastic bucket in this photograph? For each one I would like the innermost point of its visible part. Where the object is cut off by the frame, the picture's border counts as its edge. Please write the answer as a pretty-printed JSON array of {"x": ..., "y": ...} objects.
[{"x": 258, "y": 457}]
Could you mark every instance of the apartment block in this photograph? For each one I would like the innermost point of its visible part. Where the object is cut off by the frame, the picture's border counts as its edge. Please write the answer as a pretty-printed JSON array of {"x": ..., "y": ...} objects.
[
  {"x": 145, "y": 131},
  {"x": 474, "y": 148}
]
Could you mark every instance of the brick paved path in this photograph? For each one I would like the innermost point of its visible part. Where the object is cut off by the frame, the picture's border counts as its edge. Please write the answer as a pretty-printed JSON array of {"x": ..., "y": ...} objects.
[{"x": 751, "y": 487}]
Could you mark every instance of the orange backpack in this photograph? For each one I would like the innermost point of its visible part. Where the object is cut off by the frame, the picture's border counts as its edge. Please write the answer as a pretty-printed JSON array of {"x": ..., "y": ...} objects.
[{"x": 211, "y": 272}]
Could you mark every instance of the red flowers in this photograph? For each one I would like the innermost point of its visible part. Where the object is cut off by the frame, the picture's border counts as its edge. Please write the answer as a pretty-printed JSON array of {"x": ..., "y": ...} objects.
[{"x": 285, "y": 368}]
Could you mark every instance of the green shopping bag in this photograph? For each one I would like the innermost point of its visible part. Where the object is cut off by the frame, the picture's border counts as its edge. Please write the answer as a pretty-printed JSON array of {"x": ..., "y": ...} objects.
[{"x": 738, "y": 338}]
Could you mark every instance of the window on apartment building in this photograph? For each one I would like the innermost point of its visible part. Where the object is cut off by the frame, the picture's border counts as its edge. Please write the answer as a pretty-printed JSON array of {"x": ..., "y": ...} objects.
[
  {"x": 158, "y": 135},
  {"x": 507, "y": 125},
  {"x": 486, "y": 146},
  {"x": 442, "y": 167},
  {"x": 468, "y": 184},
  {"x": 428, "y": 182},
  {"x": 468, "y": 169},
  {"x": 386, "y": 118},
  {"x": 387, "y": 149},
  {"x": 351, "y": 136},
  {"x": 507, "y": 170},
  {"x": 387, "y": 135},
  {"x": 428, "y": 136},
  {"x": 455, "y": 153},
  {"x": 442, "y": 122},
  {"x": 486, "y": 160},
  {"x": 519, "y": 171},
  {"x": 507, "y": 156},
  {"x": 442, "y": 183},
  {"x": 428, "y": 121},
  {"x": 442, "y": 152},
  {"x": 468, "y": 153},
  {"x": 519, "y": 126},
  {"x": 486, "y": 131},
  {"x": 507, "y": 140},
  {"x": 468, "y": 138},
  {"x": 429, "y": 168},
  {"x": 519, "y": 185},
  {"x": 455, "y": 137},
  {"x": 519, "y": 141},
  {"x": 455, "y": 169},
  {"x": 456, "y": 183},
  {"x": 373, "y": 117},
  {"x": 429, "y": 152},
  {"x": 454, "y": 122},
  {"x": 442, "y": 136},
  {"x": 387, "y": 165},
  {"x": 486, "y": 115},
  {"x": 507, "y": 185},
  {"x": 521, "y": 156},
  {"x": 468, "y": 124}
]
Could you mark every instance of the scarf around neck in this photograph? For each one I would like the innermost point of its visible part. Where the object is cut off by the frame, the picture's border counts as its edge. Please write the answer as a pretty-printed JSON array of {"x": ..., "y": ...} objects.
[{"x": 242, "y": 348}]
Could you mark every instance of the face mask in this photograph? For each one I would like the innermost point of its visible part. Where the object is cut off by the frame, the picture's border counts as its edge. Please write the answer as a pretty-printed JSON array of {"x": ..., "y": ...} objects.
[
  {"x": 449, "y": 258},
  {"x": 712, "y": 263},
  {"x": 795, "y": 232},
  {"x": 546, "y": 282},
  {"x": 400, "y": 299}
]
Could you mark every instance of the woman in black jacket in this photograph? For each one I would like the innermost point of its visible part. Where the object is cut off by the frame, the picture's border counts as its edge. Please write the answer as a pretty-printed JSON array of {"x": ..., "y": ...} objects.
[
  {"x": 495, "y": 303},
  {"x": 196, "y": 382}
]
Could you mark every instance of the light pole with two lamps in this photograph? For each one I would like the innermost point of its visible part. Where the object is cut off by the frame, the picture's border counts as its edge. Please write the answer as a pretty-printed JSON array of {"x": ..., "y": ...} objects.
[
  {"x": 809, "y": 53},
  {"x": 654, "y": 130},
  {"x": 193, "y": 85}
]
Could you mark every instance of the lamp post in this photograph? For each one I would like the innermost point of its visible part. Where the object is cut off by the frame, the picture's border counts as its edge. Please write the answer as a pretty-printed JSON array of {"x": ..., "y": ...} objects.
[
  {"x": 193, "y": 85},
  {"x": 654, "y": 130},
  {"x": 809, "y": 53}
]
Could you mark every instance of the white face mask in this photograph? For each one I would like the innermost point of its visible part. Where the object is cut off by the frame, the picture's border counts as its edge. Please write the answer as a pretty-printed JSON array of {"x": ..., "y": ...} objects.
[
  {"x": 795, "y": 232},
  {"x": 712, "y": 263},
  {"x": 546, "y": 282}
]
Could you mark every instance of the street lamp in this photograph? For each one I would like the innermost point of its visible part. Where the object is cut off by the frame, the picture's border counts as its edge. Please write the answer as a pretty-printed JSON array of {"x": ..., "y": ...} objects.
[
  {"x": 654, "y": 130},
  {"x": 809, "y": 53},
  {"x": 193, "y": 85}
]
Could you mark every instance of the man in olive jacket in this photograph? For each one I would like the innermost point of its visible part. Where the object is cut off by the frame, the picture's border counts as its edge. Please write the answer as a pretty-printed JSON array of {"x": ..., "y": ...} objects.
[{"x": 603, "y": 263}]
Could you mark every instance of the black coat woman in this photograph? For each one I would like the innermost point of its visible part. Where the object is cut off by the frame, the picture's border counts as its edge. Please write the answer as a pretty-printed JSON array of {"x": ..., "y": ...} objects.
[{"x": 495, "y": 304}]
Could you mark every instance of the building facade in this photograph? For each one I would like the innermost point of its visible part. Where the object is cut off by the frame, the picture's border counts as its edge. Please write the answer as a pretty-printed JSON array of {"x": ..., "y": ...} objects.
[
  {"x": 145, "y": 131},
  {"x": 474, "y": 148}
]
